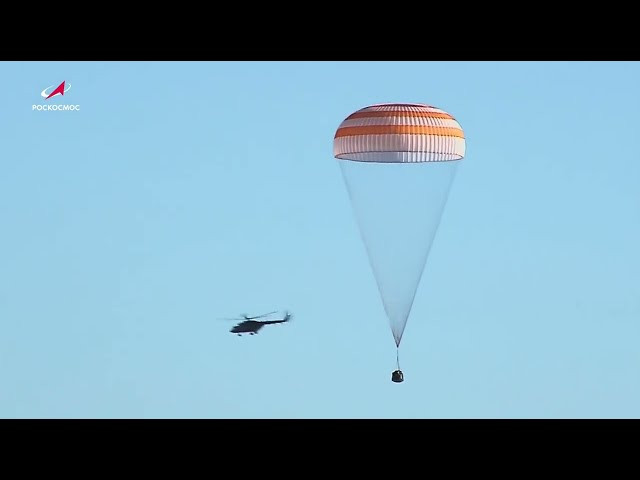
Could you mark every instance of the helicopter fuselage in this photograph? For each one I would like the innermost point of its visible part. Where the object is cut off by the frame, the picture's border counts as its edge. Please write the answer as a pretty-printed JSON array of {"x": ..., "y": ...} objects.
[
  {"x": 253, "y": 326},
  {"x": 249, "y": 326}
]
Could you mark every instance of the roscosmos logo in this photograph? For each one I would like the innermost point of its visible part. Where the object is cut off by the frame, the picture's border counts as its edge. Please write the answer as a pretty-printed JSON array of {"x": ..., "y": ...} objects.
[
  {"x": 59, "y": 90},
  {"x": 51, "y": 92}
]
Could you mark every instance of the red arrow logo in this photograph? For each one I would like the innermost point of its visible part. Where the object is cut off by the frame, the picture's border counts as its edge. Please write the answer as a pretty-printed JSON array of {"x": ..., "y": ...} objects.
[{"x": 59, "y": 89}]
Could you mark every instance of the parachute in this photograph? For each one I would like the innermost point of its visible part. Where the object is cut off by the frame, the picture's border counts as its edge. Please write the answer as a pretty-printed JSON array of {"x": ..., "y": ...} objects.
[{"x": 398, "y": 162}]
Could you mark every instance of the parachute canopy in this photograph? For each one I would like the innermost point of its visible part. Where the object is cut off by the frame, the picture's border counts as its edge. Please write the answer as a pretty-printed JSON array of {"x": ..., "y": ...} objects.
[
  {"x": 398, "y": 161},
  {"x": 399, "y": 133}
]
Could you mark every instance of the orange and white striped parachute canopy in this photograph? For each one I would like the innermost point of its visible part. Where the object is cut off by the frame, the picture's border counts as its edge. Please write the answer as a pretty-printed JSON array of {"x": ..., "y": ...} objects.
[{"x": 399, "y": 133}]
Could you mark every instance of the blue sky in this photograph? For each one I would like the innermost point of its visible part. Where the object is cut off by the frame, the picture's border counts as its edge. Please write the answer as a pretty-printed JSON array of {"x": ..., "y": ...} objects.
[{"x": 185, "y": 192}]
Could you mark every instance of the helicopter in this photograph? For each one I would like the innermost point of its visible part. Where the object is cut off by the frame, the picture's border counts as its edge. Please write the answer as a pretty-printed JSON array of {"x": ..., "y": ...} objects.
[{"x": 251, "y": 326}]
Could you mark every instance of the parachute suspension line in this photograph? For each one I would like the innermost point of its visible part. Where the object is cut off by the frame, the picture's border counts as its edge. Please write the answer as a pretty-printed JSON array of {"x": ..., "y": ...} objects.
[{"x": 398, "y": 357}]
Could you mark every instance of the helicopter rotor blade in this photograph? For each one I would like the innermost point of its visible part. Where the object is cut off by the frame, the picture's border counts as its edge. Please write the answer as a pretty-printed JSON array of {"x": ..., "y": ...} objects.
[
  {"x": 238, "y": 318},
  {"x": 260, "y": 316},
  {"x": 244, "y": 316}
]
